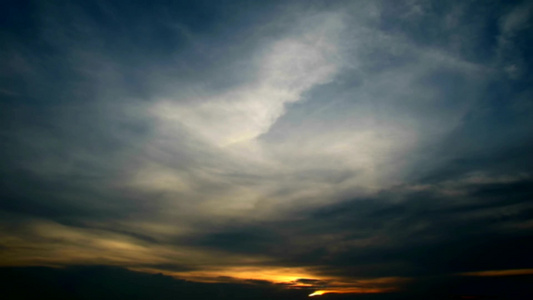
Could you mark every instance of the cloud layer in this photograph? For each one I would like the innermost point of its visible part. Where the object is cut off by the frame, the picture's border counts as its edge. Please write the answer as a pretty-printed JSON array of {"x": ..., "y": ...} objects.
[{"x": 363, "y": 147}]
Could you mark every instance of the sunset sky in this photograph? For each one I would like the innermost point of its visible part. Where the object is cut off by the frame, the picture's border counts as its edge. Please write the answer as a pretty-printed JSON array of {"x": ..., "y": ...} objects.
[{"x": 303, "y": 147}]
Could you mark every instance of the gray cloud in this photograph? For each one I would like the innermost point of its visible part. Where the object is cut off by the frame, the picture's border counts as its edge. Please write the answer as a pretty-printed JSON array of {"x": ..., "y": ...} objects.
[{"x": 351, "y": 140}]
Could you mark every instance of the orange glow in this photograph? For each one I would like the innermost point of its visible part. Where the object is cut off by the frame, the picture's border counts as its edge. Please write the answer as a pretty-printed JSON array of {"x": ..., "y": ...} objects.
[
  {"x": 500, "y": 272},
  {"x": 223, "y": 274},
  {"x": 273, "y": 274},
  {"x": 289, "y": 278}
]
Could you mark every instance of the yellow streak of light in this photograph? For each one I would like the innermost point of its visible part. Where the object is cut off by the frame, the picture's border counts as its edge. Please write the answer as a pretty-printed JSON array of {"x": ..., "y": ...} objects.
[
  {"x": 353, "y": 290},
  {"x": 317, "y": 293}
]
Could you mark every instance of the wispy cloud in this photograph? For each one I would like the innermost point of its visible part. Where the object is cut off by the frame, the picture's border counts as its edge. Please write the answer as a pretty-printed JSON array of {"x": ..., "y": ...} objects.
[{"x": 354, "y": 146}]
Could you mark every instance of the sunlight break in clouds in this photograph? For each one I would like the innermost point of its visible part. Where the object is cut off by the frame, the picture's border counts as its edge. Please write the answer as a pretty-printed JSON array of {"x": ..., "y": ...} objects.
[
  {"x": 228, "y": 125},
  {"x": 317, "y": 293},
  {"x": 286, "y": 69}
]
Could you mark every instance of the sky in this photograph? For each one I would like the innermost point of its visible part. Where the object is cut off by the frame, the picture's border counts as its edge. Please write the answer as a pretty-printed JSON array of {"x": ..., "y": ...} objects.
[{"x": 225, "y": 148}]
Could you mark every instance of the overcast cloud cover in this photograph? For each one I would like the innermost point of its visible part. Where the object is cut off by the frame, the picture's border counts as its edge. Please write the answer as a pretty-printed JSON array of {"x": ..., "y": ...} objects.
[{"x": 291, "y": 146}]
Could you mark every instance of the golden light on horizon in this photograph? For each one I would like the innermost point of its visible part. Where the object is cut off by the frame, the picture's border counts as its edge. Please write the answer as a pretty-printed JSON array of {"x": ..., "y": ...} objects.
[
  {"x": 277, "y": 275},
  {"x": 352, "y": 290},
  {"x": 511, "y": 272},
  {"x": 290, "y": 278},
  {"x": 317, "y": 293}
]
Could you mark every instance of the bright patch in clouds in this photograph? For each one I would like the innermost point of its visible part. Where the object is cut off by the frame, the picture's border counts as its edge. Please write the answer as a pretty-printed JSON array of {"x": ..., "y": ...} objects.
[
  {"x": 317, "y": 293},
  {"x": 286, "y": 69}
]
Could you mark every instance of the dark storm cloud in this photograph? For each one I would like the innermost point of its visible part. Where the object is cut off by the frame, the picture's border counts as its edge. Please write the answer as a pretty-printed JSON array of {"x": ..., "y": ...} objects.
[{"x": 439, "y": 230}]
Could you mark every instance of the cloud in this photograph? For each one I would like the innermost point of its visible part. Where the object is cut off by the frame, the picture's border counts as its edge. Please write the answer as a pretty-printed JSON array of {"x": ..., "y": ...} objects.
[
  {"x": 105, "y": 282},
  {"x": 301, "y": 143}
]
